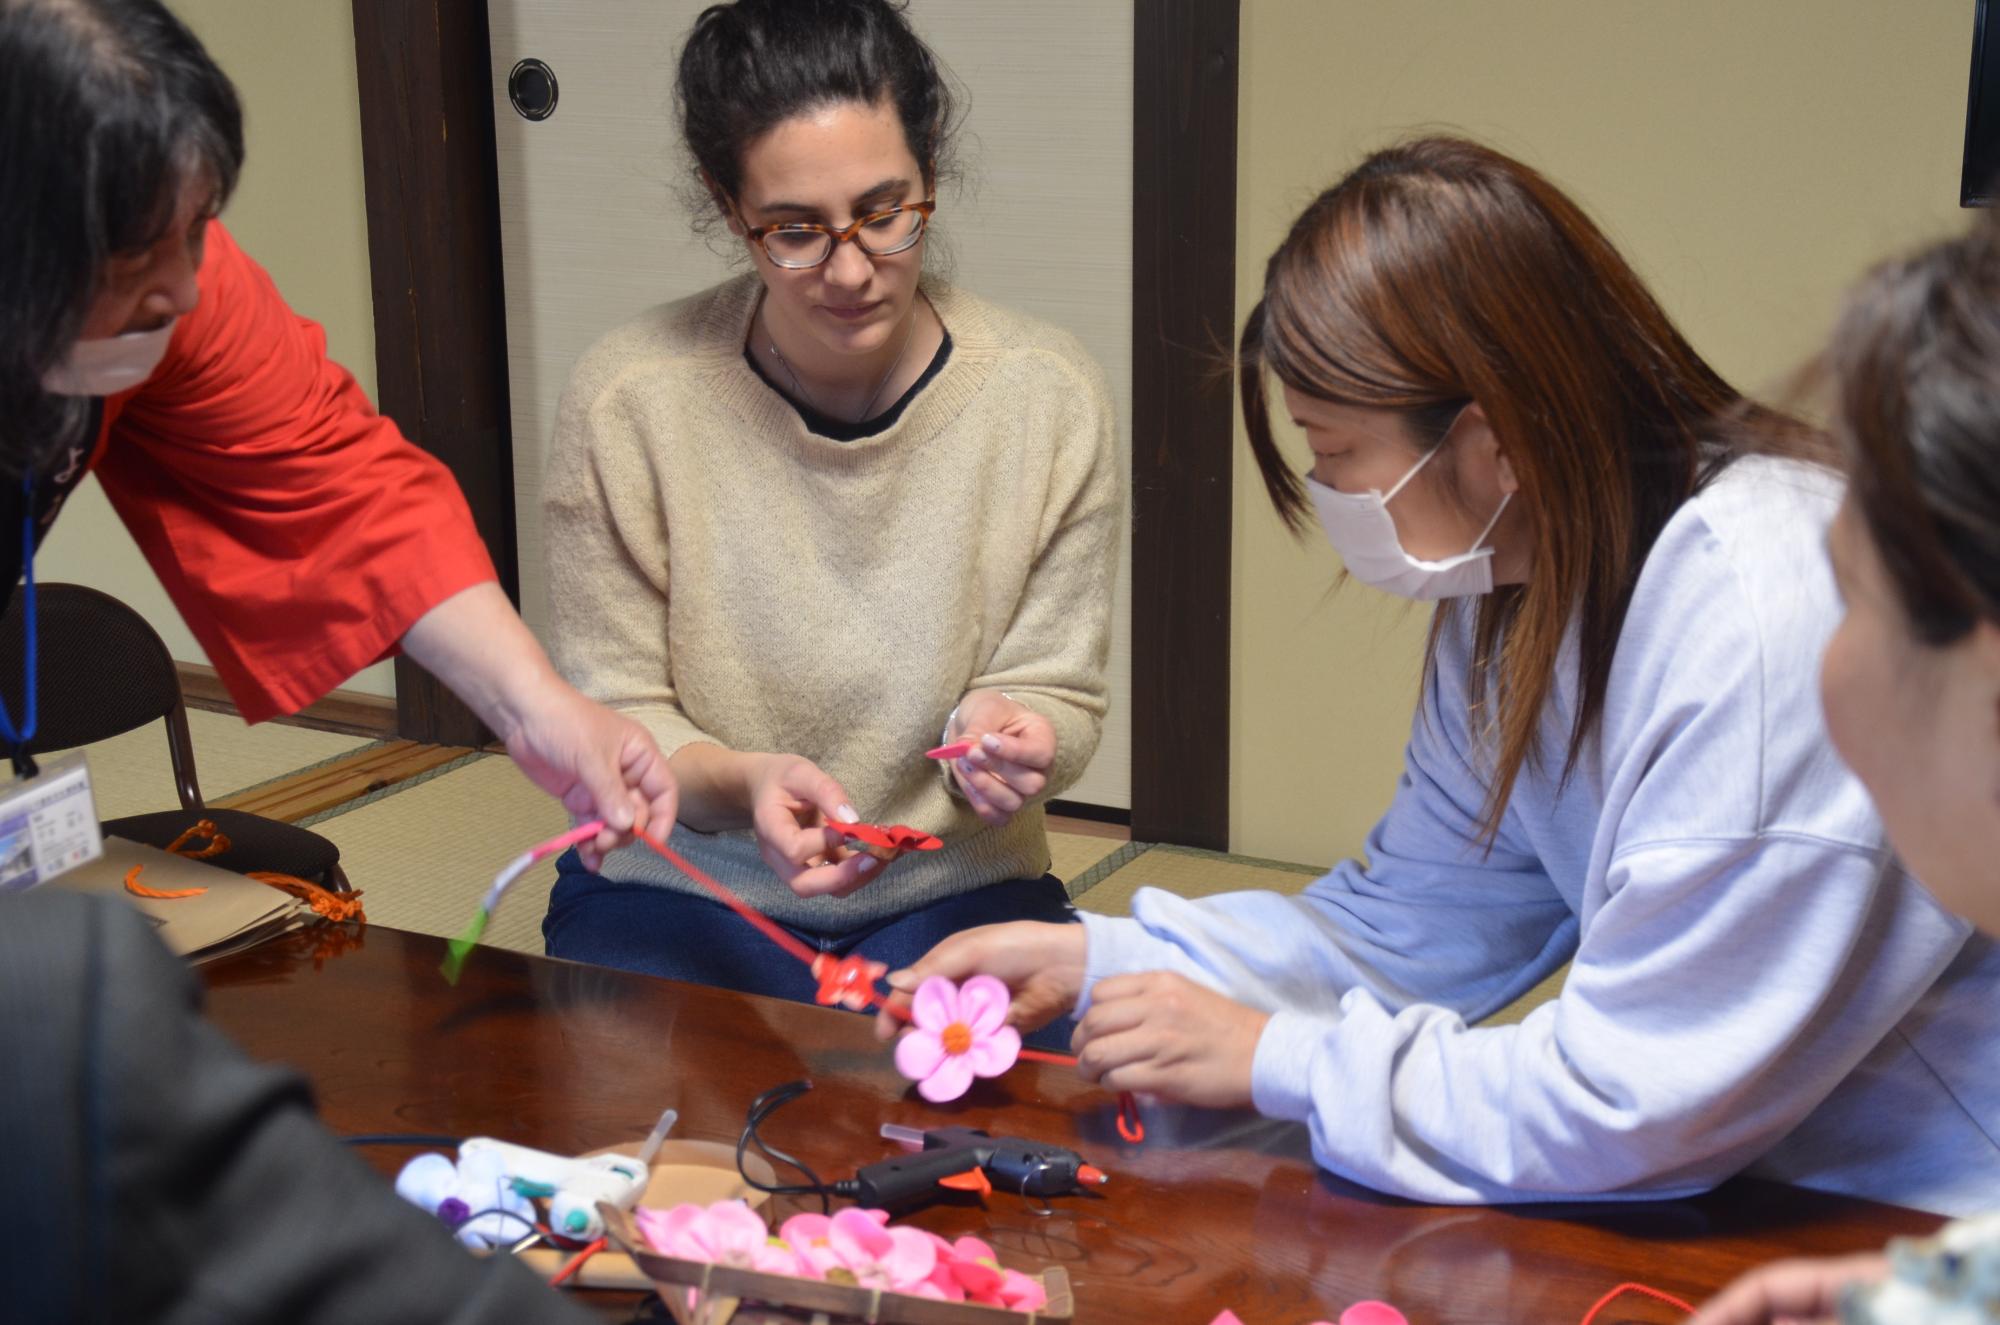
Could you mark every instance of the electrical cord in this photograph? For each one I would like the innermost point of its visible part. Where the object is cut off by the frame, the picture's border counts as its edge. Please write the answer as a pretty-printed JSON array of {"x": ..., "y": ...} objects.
[
  {"x": 518, "y": 1218},
  {"x": 403, "y": 1139},
  {"x": 761, "y": 1109}
]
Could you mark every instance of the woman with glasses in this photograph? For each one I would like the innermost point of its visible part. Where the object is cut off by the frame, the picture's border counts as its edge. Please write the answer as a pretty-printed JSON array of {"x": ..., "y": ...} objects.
[
  {"x": 1617, "y": 761},
  {"x": 812, "y": 522}
]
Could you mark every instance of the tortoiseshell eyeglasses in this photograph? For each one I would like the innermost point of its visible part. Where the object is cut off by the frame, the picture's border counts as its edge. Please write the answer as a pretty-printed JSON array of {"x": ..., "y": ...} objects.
[{"x": 798, "y": 245}]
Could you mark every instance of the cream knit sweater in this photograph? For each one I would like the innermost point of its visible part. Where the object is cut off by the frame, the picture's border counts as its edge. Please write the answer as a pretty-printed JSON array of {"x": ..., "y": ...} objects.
[{"x": 721, "y": 574}]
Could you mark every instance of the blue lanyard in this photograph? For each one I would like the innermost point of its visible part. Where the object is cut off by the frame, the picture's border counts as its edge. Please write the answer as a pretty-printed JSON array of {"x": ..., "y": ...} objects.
[{"x": 19, "y": 737}]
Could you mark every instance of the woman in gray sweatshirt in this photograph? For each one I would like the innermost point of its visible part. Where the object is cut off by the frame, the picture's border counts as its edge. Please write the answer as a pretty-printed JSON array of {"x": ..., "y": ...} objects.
[{"x": 1618, "y": 761}]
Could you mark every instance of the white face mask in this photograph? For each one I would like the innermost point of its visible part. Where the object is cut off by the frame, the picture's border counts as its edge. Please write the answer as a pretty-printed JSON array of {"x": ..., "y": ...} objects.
[
  {"x": 106, "y": 366},
  {"x": 1360, "y": 528}
]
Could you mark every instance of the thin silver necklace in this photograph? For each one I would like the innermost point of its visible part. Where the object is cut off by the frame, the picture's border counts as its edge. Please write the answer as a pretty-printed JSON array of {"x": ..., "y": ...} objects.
[{"x": 866, "y": 410}]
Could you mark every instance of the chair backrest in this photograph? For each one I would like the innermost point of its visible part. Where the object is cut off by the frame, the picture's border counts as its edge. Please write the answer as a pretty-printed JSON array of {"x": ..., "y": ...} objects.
[{"x": 104, "y": 670}]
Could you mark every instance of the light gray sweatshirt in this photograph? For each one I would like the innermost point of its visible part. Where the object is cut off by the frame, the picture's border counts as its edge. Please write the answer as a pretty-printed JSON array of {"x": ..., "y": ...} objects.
[{"x": 1753, "y": 977}]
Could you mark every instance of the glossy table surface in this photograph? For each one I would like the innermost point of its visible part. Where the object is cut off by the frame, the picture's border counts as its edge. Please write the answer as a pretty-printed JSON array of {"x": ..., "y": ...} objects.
[{"x": 1213, "y": 1211}]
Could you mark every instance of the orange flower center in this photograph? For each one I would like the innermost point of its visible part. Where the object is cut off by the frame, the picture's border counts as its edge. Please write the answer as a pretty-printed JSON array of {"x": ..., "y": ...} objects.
[{"x": 957, "y": 1038}]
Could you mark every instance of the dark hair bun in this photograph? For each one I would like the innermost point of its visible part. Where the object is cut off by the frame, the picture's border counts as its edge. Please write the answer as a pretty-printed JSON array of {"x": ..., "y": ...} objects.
[{"x": 749, "y": 66}]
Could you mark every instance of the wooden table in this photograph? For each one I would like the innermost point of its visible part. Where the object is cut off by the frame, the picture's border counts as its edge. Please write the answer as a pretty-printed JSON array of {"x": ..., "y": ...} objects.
[{"x": 1214, "y": 1211}]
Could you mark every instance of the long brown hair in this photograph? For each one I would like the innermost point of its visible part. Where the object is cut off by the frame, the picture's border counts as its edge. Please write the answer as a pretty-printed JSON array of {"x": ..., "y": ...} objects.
[
  {"x": 1917, "y": 363},
  {"x": 1440, "y": 272}
]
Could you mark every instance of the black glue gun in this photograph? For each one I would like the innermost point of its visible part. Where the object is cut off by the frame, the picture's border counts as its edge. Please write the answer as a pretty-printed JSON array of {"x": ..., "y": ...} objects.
[{"x": 968, "y": 1160}]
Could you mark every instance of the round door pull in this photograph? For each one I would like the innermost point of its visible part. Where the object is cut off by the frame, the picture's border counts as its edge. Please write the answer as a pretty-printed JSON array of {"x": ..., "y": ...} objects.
[{"x": 532, "y": 88}]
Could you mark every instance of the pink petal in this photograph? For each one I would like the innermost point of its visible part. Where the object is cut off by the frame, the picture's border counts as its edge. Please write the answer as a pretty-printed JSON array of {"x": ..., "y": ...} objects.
[
  {"x": 945, "y": 1281},
  {"x": 859, "y": 1241},
  {"x": 990, "y": 1055},
  {"x": 952, "y": 1078},
  {"x": 1372, "y": 1313},
  {"x": 982, "y": 1004},
  {"x": 802, "y": 1231},
  {"x": 911, "y": 1257},
  {"x": 918, "y": 1054},
  {"x": 972, "y": 1249},
  {"x": 652, "y": 1225},
  {"x": 738, "y": 1232},
  {"x": 980, "y": 1280},
  {"x": 681, "y": 1232},
  {"x": 1021, "y": 1293},
  {"x": 777, "y": 1259},
  {"x": 936, "y": 1004},
  {"x": 1226, "y": 1318}
]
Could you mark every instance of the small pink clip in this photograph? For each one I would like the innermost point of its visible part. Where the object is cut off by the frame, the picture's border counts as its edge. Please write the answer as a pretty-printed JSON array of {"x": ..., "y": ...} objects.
[{"x": 956, "y": 750}]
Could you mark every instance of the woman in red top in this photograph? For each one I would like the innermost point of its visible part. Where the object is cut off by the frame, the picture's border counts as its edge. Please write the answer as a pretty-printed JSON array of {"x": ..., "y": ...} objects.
[{"x": 299, "y": 534}]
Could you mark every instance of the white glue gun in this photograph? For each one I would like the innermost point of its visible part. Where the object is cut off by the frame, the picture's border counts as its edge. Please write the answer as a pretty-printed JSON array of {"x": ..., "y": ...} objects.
[{"x": 573, "y": 1187}]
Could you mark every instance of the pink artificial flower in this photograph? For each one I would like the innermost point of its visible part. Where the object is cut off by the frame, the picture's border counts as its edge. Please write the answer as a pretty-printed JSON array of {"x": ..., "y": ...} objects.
[
  {"x": 898, "y": 1259},
  {"x": 1018, "y": 1292},
  {"x": 810, "y": 1237},
  {"x": 726, "y": 1233},
  {"x": 974, "y": 1268},
  {"x": 969, "y": 1266},
  {"x": 961, "y": 1032},
  {"x": 942, "y": 1284}
]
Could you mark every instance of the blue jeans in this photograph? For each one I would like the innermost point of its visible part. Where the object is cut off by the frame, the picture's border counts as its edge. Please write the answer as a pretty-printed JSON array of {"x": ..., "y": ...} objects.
[{"x": 682, "y": 936}]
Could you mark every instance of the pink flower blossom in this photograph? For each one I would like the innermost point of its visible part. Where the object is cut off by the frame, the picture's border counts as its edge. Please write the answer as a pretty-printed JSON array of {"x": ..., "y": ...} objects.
[
  {"x": 854, "y": 1246},
  {"x": 969, "y": 1271},
  {"x": 1361, "y": 1313},
  {"x": 898, "y": 1259},
  {"x": 810, "y": 1237},
  {"x": 726, "y": 1233},
  {"x": 1018, "y": 1292},
  {"x": 973, "y": 1267},
  {"x": 961, "y": 1032}
]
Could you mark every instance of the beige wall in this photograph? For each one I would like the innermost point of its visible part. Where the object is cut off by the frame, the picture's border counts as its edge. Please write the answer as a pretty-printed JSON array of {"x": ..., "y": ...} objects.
[
  {"x": 298, "y": 211},
  {"x": 1750, "y": 159}
]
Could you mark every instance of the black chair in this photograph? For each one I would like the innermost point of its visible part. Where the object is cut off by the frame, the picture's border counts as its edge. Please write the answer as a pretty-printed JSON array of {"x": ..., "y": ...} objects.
[{"x": 105, "y": 671}]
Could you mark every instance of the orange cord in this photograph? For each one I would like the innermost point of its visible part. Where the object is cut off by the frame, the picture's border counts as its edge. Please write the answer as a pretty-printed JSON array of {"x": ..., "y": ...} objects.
[
  {"x": 575, "y": 1263},
  {"x": 138, "y": 889},
  {"x": 331, "y": 905},
  {"x": 217, "y": 843},
  {"x": 1640, "y": 1289}
]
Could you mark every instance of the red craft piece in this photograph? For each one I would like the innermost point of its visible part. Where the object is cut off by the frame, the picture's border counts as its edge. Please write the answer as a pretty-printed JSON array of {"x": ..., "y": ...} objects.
[
  {"x": 1130, "y": 1125},
  {"x": 890, "y": 837},
  {"x": 849, "y": 982},
  {"x": 956, "y": 750}
]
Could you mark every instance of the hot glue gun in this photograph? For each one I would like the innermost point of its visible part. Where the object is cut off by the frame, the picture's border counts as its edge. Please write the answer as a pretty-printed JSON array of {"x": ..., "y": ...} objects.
[
  {"x": 966, "y": 1159},
  {"x": 574, "y": 1187}
]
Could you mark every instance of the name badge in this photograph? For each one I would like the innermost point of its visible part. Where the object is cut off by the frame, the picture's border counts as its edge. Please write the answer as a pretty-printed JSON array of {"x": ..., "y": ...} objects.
[{"x": 48, "y": 824}]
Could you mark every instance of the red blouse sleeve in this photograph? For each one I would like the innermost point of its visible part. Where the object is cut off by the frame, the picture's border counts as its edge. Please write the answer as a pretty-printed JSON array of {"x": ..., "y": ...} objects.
[{"x": 296, "y": 530}]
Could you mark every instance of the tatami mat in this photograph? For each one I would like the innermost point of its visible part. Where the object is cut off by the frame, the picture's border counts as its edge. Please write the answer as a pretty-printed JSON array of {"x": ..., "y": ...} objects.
[
  {"x": 1190, "y": 874},
  {"x": 424, "y": 854},
  {"x": 1072, "y": 855},
  {"x": 130, "y": 774}
]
